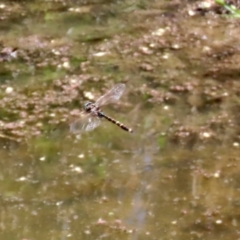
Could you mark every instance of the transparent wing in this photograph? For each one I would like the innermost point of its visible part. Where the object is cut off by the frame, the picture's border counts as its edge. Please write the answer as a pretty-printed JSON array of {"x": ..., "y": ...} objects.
[
  {"x": 112, "y": 95},
  {"x": 86, "y": 123}
]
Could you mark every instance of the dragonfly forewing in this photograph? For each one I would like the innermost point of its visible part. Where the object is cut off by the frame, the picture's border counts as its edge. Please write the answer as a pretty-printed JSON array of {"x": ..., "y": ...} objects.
[
  {"x": 86, "y": 123},
  {"x": 112, "y": 95}
]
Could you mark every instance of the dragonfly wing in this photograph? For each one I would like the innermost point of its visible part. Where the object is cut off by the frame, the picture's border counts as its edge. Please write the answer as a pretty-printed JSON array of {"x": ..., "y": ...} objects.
[
  {"x": 112, "y": 95},
  {"x": 87, "y": 123}
]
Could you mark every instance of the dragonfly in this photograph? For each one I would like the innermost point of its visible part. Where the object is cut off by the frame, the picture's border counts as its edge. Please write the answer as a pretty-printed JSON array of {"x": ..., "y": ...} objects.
[{"x": 93, "y": 115}]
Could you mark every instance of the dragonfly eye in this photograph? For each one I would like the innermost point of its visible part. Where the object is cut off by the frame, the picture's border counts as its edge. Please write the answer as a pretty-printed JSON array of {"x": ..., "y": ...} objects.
[{"x": 87, "y": 106}]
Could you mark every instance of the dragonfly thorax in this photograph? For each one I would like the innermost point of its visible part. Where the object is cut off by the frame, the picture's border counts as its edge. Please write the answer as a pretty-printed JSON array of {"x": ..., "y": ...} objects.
[{"x": 88, "y": 106}]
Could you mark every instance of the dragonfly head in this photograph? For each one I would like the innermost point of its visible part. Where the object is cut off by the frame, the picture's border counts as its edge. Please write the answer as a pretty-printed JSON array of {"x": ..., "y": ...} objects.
[{"x": 87, "y": 106}]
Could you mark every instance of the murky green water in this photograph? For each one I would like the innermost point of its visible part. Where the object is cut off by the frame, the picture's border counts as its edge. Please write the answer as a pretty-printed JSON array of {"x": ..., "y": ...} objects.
[{"x": 175, "y": 177}]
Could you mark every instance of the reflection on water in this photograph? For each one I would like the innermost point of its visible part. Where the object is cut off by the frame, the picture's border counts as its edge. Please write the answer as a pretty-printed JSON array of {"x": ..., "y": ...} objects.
[
  {"x": 140, "y": 199},
  {"x": 84, "y": 190}
]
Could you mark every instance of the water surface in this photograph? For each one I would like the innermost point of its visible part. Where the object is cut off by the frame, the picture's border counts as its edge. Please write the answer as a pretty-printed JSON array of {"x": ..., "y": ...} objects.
[{"x": 175, "y": 177}]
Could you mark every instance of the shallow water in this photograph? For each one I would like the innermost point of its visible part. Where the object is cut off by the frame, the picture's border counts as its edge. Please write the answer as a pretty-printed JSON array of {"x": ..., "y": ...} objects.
[{"x": 174, "y": 177}]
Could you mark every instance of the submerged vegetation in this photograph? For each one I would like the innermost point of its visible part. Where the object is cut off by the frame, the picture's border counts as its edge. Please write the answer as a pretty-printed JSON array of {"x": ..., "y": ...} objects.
[{"x": 229, "y": 7}]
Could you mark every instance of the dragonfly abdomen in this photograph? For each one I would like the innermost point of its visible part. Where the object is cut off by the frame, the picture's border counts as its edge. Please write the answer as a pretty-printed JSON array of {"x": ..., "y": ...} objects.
[{"x": 115, "y": 122}]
